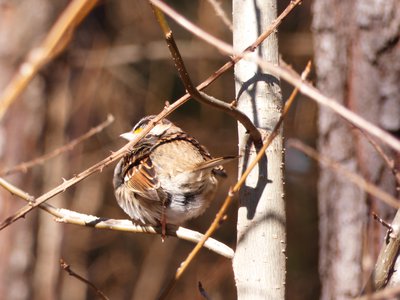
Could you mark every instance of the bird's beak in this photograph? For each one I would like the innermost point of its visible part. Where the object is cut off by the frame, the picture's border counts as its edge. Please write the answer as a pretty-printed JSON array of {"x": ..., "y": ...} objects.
[{"x": 128, "y": 135}]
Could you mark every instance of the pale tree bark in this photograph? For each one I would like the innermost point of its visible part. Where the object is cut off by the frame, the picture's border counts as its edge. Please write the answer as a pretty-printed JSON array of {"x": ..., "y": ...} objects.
[
  {"x": 358, "y": 64},
  {"x": 259, "y": 263}
]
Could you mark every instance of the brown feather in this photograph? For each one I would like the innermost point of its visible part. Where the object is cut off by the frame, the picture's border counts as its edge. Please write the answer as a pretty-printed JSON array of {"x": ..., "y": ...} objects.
[{"x": 142, "y": 180}]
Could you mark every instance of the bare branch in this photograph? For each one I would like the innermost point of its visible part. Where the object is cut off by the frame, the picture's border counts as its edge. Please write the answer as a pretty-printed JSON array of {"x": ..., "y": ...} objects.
[
  {"x": 16, "y": 191},
  {"x": 356, "y": 179},
  {"x": 23, "y": 167},
  {"x": 304, "y": 87},
  {"x": 201, "y": 96},
  {"x": 385, "y": 263},
  {"x": 383, "y": 222},
  {"x": 66, "y": 267},
  {"x": 71, "y": 217},
  {"x": 388, "y": 161},
  {"x": 221, "y": 13},
  {"x": 388, "y": 293}
]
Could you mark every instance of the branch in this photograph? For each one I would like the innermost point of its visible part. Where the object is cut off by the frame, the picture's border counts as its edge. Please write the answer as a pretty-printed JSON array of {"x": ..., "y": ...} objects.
[
  {"x": 221, "y": 13},
  {"x": 387, "y": 293},
  {"x": 23, "y": 167},
  {"x": 304, "y": 87},
  {"x": 71, "y": 217},
  {"x": 382, "y": 222},
  {"x": 201, "y": 96},
  {"x": 385, "y": 263},
  {"x": 222, "y": 211},
  {"x": 370, "y": 188},
  {"x": 66, "y": 267},
  {"x": 388, "y": 161},
  {"x": 56, "y": 40}
]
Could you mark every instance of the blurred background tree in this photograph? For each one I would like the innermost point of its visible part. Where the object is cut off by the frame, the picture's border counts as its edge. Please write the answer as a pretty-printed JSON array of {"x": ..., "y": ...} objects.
[{"x": 356, "y": 56}]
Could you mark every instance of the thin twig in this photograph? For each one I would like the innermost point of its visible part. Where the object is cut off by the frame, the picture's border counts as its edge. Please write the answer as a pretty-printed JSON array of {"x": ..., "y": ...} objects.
[
  {"x": 67, "y": 268},
  {"x": 389, "y": 161},
  {"x": 386, "y": 293},
  {"x": 382, "y": 221},
  {"x": 356, "y": 179},
  {"x": 386, "y": 261},
  {"x": 71, "y": 217},
  {"x": 16, "y": 191},
  {"x": 201, "y": 96},
  {"x": 221, "y": 13},
  {"x": 55, "y": 41},
  {"x": 221, "y": 213},
  {"x": 304, "y": 87},
  {"x": 23, "y": 167}
]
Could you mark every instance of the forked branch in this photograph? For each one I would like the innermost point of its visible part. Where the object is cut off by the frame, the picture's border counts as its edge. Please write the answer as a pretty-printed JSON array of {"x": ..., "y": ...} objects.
[{"x": 193, "y": 91}]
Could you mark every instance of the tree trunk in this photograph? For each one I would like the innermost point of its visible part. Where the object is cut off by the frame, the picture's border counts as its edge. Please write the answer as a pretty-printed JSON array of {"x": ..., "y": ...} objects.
[
  {"x": 259, "y": 263},
  {"x": 357, "y": 63}
]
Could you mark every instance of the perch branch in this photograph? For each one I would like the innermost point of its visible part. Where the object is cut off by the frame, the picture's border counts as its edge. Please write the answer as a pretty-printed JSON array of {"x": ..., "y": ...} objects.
[
  {"x": 93, "y": 169},
  {"x": 55, "y": 41},
  {"x": 221, "y": 13},
  {"x": 382, "y": 221},
  {"x": 67, "y": 268},
  {"x": 23, "y": 167},
  {"x": 304, "y": 87},
  {"x": 193, "y": 91},
  {"x": 222, "y": 211},
  {"x": 71, "y": 217}
]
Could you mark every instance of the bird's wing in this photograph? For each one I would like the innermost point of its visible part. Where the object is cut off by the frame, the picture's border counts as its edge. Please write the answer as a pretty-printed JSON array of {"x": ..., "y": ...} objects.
[{"x": 142, "y": 179}]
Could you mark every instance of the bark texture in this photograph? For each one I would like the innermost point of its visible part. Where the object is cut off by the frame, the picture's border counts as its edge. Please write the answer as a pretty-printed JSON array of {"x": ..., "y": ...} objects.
[
  {"x": 259, "y": 263},
  {"x": 357, "y": 62}
]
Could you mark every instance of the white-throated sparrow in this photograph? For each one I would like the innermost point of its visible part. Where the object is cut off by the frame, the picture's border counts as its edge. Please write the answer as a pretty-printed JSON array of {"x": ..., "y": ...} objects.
[{"x": 167, "y": 177}]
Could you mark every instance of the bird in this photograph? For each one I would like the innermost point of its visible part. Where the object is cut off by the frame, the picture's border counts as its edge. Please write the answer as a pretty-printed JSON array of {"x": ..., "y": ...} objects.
[{"x": 167, "y": 177}]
